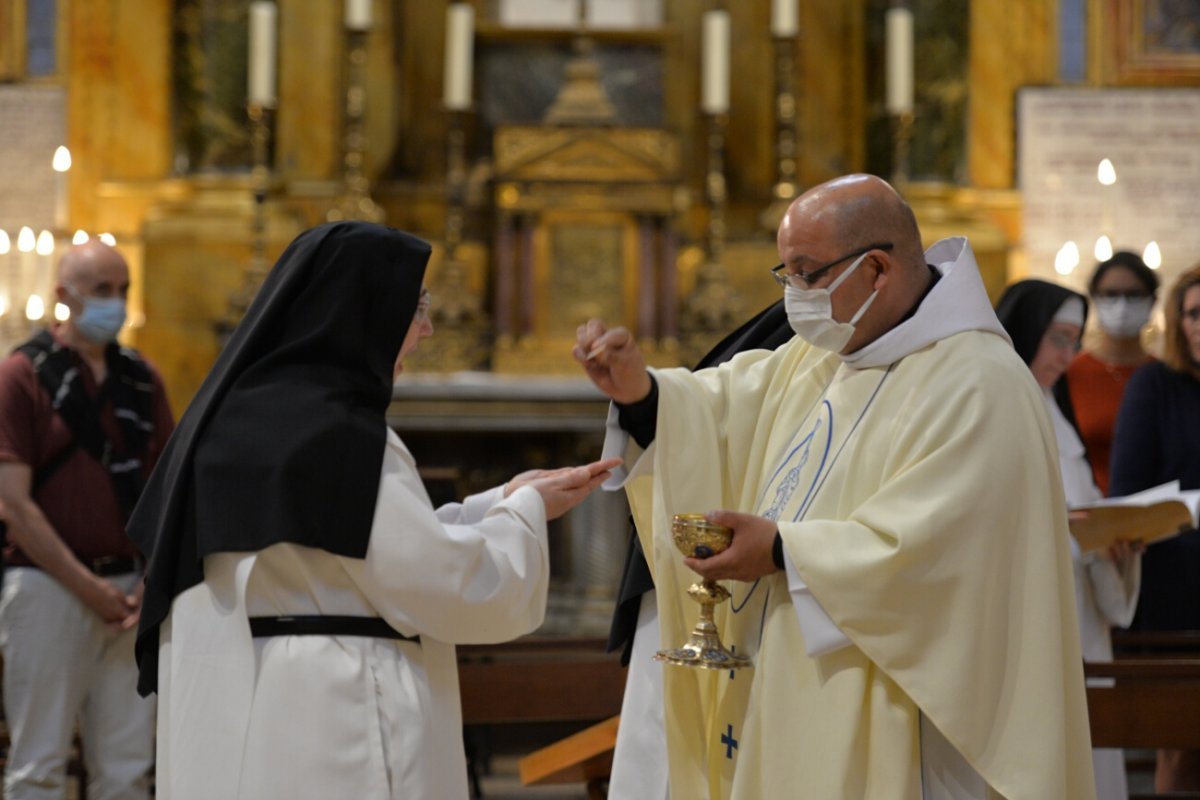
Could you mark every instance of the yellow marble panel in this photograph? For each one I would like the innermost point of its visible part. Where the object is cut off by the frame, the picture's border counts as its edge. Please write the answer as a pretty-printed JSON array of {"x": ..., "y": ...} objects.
[
  {"x": 1013, "y": 44},
  {"x": 195, "y": 253}
]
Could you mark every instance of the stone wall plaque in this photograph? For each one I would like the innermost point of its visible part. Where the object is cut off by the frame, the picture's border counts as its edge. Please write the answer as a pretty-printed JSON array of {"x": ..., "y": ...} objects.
[{"x": 1152, "y": 138}]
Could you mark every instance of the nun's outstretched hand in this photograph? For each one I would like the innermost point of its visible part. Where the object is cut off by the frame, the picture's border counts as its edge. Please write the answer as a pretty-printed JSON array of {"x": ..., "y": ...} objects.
[{"x": 563, "y": 489}]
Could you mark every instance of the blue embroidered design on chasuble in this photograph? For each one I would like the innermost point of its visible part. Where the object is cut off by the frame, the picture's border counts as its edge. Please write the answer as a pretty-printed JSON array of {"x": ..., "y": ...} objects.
[{"x": 819, "y": 440}]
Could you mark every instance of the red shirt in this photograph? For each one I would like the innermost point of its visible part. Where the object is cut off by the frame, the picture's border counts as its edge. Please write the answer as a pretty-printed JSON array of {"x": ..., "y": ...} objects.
[
  {"x": 78, "y": 499},
  {"x": 1096, "y": 390}
]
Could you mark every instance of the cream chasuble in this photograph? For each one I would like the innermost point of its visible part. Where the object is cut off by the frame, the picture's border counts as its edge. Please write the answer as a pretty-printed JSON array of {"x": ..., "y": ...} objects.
[{"x": 918, "y": 496}]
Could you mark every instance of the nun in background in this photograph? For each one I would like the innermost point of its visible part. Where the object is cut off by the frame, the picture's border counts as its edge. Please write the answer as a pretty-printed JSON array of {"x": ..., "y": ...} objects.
[
  {"x": 1045, "y": 322},
  {"x": 303, "y": 597}
]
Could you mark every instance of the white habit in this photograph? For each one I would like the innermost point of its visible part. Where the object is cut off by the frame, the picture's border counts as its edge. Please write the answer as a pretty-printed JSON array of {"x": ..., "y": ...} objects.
[
  {"x": 346, "y": 717},
  {"x": 1105, "y": 594}
]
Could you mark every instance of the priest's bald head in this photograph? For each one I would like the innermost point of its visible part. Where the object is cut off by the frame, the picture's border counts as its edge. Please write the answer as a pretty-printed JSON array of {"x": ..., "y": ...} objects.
[{"x": 858, "y": 227}]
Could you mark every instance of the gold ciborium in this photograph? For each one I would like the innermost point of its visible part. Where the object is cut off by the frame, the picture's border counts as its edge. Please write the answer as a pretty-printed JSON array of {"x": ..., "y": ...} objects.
[{"x": 697, "y": 537}]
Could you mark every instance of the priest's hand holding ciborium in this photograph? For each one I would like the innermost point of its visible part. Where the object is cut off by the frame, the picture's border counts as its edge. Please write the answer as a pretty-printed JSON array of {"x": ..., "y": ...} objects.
[{"x": 696, "y": 537}]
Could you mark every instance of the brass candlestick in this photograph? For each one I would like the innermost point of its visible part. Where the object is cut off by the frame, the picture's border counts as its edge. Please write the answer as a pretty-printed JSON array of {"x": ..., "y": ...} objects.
[
  {"x": 261, "y": 120},
  {"x": 459, "y": 319},
  {"x": 786, "y": 186},
  {"x": 902, "y": 127},
  {"x": 696, "y": 537},
  {"x": 712, "y": 306},
  {"x": 354, "y": 198},
  {"x": 714, "y": 183},
  {"x": 456, "y": 181}
]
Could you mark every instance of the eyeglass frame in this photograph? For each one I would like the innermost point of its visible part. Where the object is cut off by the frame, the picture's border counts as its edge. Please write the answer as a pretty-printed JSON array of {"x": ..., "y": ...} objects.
[
  {"x": 424, "y": 305},
  {"x": 1122, "y": 295},
  {"x": 1062, "y": 341},
  {"x": 784, "y": 279}
]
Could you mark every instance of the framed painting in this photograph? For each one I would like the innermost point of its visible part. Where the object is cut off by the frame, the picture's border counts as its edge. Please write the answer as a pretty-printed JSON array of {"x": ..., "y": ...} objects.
[{"x": 1153, "y": 41}]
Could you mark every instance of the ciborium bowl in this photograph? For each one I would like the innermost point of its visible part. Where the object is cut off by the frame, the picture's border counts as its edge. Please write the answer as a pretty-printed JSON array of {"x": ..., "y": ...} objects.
[{"x": 696, "y": 537}]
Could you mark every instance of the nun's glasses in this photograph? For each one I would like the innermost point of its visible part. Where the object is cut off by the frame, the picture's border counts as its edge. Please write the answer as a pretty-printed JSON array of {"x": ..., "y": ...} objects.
[{"x": 423, "y": 306}]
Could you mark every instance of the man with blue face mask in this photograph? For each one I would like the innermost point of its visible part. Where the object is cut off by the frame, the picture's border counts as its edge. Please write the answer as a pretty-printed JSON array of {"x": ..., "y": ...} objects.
[
  {"x": 82, "y": 422},
  {"x": 900, "y": 568}
]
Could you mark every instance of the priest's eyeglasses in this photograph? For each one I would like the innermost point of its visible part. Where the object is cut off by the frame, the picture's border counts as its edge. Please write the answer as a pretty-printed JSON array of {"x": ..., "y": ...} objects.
[
  {"x": 424, "y": 303},
  {"x": 803, "y": 280}
]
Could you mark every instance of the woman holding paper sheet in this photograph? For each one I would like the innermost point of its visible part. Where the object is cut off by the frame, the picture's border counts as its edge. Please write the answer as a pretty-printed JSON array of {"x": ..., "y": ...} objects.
[
  {"x": 1157, "y": 440},
  {"x": 1045, "y": 322}
]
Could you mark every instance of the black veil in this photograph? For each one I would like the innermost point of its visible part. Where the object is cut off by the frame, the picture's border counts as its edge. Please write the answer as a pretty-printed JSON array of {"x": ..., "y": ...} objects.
[
  {"x": 284, "y": 440},
  {"x": 1026, "y": 310}
]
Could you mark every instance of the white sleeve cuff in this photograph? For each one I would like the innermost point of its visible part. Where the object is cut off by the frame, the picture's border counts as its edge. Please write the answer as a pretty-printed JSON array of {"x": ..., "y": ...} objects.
[
  {"x": 821, "y": 635},
  {"x": 619, "y": 444},
  {"x": 471, "y": 510}
]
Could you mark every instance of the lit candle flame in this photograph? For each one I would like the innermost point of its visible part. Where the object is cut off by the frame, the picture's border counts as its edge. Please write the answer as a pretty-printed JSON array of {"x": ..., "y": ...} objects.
[
  {"x": 62, "y": 159},
  {"x": 80, "y": 237},
  {"x": 5, "y": 244},
  {"x": 34, "y": 307},
  {"x": 61, "y": 312},
  {"x": 108, "y": 239},
  {"x": 26, "y": 240},
  {"x": 1106, "y": 173},
  {"x": 1103, "y": 249},
  {"x": 1152, "y": 255},
  {"x": 45, "y": 243},
  {"x": 1066, "y": 259}
]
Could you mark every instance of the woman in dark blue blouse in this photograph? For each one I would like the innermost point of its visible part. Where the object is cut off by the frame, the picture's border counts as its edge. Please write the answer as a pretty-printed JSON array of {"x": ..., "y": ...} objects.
[{"x": 1157, "y": 440}]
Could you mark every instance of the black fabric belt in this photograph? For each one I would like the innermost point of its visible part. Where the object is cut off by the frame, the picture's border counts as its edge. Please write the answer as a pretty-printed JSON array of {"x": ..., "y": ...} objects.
[
  {"x": 113, "y": 565},
  {"x": 324, "y": 625},
  {"x": 105, "y": 567}
]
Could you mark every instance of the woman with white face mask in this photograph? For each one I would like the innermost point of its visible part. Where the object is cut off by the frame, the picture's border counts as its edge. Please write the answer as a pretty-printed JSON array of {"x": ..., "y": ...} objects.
[{"x": 1122, "y": 290}]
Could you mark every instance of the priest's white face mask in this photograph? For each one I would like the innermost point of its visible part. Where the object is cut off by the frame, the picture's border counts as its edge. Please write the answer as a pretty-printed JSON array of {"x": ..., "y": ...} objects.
[{"x": 810, "y": 313}]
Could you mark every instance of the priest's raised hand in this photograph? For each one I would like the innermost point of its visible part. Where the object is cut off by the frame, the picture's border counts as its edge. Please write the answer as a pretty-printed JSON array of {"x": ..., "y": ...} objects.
[{"x": 613, "y": 361}]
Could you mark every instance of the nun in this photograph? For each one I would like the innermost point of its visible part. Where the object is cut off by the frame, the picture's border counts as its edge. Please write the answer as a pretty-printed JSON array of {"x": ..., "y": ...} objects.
[
  {"x": 303, "y": 596},
  {"x": 1045, "y": 322}
]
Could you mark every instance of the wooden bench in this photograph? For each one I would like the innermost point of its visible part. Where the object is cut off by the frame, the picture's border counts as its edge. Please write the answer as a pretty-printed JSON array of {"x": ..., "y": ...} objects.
[
  {"x": 1153, "y": 703},
  {"x": 539, "y": 680},
  {"x": 534, "y": 682}
]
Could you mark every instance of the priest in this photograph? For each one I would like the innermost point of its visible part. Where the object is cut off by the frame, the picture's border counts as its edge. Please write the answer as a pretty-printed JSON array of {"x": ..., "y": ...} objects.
[{"x": 900, "y": 567}]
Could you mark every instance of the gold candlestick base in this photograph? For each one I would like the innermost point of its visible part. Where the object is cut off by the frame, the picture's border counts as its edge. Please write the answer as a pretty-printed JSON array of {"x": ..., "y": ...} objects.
[{"x": 697, "y": 537}]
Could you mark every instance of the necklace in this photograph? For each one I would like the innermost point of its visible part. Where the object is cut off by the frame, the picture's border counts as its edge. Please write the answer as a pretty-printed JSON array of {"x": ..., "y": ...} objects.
[
  {"x": 1114, "y": 372},
  {"x": 1120, "y": 372}
]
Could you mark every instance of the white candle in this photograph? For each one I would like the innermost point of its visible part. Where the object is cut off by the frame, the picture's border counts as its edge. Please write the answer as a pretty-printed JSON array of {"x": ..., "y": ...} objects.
[
  {"x": 26, "y": 242},
  {"x": 460, "y": 27},
  {"x": 44, "y": 282},
  {"x": 5, "y": 246},
  {"x": 358, "y": 15},
  {"x": 899, "y": 24},
  {"x": 260, "y": 85},
  {"x": 715, "y": 64},
  {"x": 61, "y": 163},
  {"x": 785, "y": 17}
]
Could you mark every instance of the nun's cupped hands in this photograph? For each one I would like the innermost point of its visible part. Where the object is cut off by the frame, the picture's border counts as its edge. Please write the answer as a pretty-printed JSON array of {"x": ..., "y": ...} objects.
[{"x": 563, "y": 489}]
